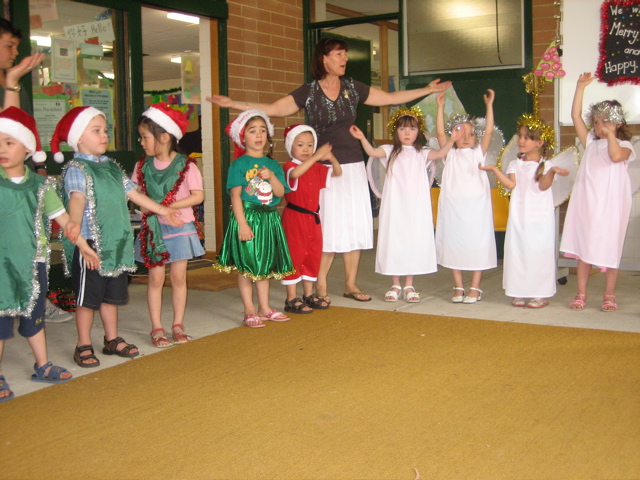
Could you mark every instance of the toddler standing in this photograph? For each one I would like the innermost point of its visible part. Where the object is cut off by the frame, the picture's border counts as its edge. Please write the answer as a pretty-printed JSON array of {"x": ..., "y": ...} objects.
[
  {"x": 600, "y": 203},
  {"x": 31, "y": 203},
  {"x": 530, "y": 243},
  {"x": 306, "y": 175},
  {"x": 96, "y": 192},
  {"x": 254, "y": 244},
  {"x": 171, "y": 179},
  {"x": 465, "y": 239},
  {"x": 406, "y": 245}
]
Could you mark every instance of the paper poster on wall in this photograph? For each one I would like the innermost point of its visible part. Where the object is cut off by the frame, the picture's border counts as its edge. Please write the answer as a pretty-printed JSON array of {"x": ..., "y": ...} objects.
[
  {"x": 619, "y": 42},
  {"x": 190, "y": 72},
  {"x": 47, "y": 114},
  {"x": 102, "y": 99},
  {"x": 45, "y": 9},
  {"x": 102, "y": 30},
  {"x": 63, "y": 60}
]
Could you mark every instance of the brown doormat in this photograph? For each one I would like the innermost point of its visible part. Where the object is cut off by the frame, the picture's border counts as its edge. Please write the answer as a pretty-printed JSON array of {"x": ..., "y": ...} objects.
[
  {"x": 200, "y": 276},
  {"x": 345, "y": 394}
]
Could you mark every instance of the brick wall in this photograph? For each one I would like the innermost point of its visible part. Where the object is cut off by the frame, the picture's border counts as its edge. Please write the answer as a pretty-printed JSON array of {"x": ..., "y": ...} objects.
[{"x": 265, "y": 55}]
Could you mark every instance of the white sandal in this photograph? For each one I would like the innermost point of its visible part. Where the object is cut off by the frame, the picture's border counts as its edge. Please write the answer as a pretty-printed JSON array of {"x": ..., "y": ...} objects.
[
  {"x": 469, "y": 299},
  {"x": 392, "y": 295},
  {"x": 411, "y": 296},
  {"x": 458, "y": 298}
]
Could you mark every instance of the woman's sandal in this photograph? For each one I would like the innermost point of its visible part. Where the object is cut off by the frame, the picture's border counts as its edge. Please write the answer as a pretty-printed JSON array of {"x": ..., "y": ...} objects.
[
  {"x": 457, "y": 298},
  {"x": 4, "y": 387},
  {"x": 609, "y": 304},
  {"x": 323, "y": 298},
  {"x": 110, "y": 348},
  {"x": 179, "y": 334},
  {"x": 410, "y": 294},
  {"x": 393, "y": 294},
  {"x": 252, "y": 320},
  {"x": 54, "y": 373},
  {"x": 316, "y": 302},
  {"x": 275, "y": 316},
  {"x": 82, "y": 359},
  {"x": 159, "y": 338},
  {"x": 578, "y": 302},
  {"x": 297, "y": 305}
]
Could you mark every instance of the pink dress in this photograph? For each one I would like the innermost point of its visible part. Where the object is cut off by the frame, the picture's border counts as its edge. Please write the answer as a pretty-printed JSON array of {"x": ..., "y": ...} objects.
[{"x": 599, "y": 208}]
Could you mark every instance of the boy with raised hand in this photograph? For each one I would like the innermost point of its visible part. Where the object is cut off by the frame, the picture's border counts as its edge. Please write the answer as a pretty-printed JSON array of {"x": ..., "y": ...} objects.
[{"x": 25, "y": 227}]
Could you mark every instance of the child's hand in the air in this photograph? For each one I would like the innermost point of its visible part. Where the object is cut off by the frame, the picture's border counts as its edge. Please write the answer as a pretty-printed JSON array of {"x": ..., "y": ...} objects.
[
  {"x": 489, "y": 97},
  {"x": 563, "y": 172},
  {"x": 356, "y": 132}
]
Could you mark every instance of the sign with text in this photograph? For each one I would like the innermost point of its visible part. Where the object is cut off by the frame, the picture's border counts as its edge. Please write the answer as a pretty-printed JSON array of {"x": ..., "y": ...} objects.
[{"x": 619, "y": 60}]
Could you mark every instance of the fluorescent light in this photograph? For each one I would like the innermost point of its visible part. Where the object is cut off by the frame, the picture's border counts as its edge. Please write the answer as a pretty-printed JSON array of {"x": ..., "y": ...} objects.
[
  {"x": 176, "y": 59},
  {"x": 183, "y": 18},
  {"x": 110, "y": 75},
  {"x": 42, "y": 41}
]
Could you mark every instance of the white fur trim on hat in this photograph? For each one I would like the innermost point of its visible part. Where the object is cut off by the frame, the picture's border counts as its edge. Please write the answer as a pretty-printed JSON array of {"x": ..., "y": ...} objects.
[
  {"x": 80, "y": 124},
  {"x": 21, "y": 133},
  {"x": 237, "y": 126},
  {"x": 294, "y": 132},
  {"x": 164, "y": 121}
]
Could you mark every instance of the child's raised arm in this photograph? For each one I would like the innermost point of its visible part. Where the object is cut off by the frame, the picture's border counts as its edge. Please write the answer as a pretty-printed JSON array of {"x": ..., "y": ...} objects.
[
  {"x": 322, "y": 153},
  {"x": 276, "y": 185},
  {"x": 171, "y": 214},
  {"x": 508, "y": 181},
  {"x": 436, "y": 154},
  {"x": 368, "y": 148},
  {"x": 489, "y": 123},
  {"x": 617, "y": 153},
  {"x": 337, "y": 168},
  {"x": 547, "y": 179},
  {"x": 440, "y": 133},
  {"x": 576, "y": 108}
]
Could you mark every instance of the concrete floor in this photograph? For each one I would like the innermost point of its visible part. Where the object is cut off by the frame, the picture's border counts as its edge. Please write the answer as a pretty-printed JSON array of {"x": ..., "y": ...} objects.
[{"x": 211, "y": 312}]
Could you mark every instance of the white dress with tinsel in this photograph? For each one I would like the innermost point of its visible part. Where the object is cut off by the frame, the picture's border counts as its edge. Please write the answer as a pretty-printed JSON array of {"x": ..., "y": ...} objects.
[
  {"x": 530, "y": 242},
  {"x": 465, "y": 238},
  {"x": 405, "y": 231}
]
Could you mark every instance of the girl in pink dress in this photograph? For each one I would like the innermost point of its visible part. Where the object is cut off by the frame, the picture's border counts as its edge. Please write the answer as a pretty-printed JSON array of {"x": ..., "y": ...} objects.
[{"x": 600, "y": 204}]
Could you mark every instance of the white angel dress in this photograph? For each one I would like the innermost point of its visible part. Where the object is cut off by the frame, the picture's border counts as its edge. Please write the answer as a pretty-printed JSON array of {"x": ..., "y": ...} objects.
[
  {"x": 529, "y": 267},
  {"x": 405, "y": 230},
  {"x": 599, "y": 207},
  {"x": 465, "y": 239}
]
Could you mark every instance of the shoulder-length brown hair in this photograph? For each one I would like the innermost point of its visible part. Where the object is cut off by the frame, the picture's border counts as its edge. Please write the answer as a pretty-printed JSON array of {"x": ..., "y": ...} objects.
[{"x": 322, "y": 48}]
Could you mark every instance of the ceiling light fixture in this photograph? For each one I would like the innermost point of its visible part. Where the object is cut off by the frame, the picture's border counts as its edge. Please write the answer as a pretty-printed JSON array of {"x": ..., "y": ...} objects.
[
  {"x": 183, "y": 18},
  {"x": 41, "y": 41},
  {"x": 176, "y": 59}
]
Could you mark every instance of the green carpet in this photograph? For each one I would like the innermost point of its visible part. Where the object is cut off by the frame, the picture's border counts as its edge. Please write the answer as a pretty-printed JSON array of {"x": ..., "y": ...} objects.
[{"x": 345, "y": 394}]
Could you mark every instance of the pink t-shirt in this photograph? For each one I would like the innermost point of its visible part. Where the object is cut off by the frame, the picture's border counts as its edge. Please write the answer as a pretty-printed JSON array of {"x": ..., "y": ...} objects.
[{"x": 192, "y": 181}]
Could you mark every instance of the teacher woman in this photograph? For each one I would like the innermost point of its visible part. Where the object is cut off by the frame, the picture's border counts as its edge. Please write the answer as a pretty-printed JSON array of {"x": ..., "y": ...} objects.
[{"x": 330, "y": 102}]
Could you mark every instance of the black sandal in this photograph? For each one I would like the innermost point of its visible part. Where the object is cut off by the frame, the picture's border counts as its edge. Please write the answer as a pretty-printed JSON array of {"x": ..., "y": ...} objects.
[
  {"x": 110, "y": 348},
  {"x": 297, "y": 305},
  {"x": 80, "y": 359},
  {"x": 316, "y": 302}
]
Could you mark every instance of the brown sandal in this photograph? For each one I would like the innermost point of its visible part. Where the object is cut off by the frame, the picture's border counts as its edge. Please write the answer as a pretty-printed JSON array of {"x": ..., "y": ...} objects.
[
  {"x": 179, "y": 334},
  {"x": 110, "y": 348},
  {"x": 81, "y": 359}
]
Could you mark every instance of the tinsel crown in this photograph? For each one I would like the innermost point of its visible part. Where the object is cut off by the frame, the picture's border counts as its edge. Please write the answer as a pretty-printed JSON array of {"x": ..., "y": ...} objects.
[
  {"x": 534, "y": 123},
  {"x": 609, "y": 111},
  {"x": 413, "y": 112},
  {"x": 478, "y": 123}
]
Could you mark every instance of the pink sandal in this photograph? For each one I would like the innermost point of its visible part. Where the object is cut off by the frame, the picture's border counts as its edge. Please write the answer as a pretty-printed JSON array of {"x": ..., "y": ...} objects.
[
  {"x": 275, "y": 316},
  {"x": 609, "y": 304},
  {"x": 578, "y": 302},
  {"x": 252, "y": 320}
]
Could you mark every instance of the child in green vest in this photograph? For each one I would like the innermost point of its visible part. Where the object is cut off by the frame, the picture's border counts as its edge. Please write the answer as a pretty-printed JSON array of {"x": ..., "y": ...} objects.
[
  {"x": 24, "y": 235},
  {"x": 96, "y": 193}
]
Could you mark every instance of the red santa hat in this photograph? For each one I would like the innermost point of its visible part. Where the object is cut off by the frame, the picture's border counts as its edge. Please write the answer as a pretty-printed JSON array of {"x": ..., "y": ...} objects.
[
  {"x": 235, "y": 129},
  {"x": 291, "y": 132},
  {"x": 70, "y": 128},
  {"x": 22, "y": 126},
  {"x": 173, "y": 121}
]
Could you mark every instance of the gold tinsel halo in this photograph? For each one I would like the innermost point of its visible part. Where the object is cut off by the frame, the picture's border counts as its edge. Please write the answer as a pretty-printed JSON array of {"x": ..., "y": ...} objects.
[
  {"x": 413, "y": 112},
  {"x": 534, "y": 123}
]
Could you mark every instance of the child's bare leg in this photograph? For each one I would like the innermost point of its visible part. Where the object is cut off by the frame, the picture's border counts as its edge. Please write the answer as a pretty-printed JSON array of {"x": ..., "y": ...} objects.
[
  {"x": 4, "y": 393},
  {"x": 307, "y": 288},
  {"x": 408, "y": 281},
  {"x": 262, "y": 288},
  {"x": 292, "y": 291},
  {"x": 325, "y": 265},
  {"x": 476, "y": 276},
  {"x": 84, "y": 322},
  {"x": 610, "y": 280},
  {"x": 582, "y": 273},
  {"x": 457, "y": 280},
  {"x": 178, "y": 276},
  {"x": 245, "y": 285},
  {"x": 109, "y": 315},
  {"x": 154, "y": 295},
  {"x": 38, "y": 344}
]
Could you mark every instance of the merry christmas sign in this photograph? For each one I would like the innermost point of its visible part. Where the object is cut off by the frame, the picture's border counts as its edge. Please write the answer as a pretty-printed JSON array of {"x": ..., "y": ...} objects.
[{"x": 619, "y": 60}]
